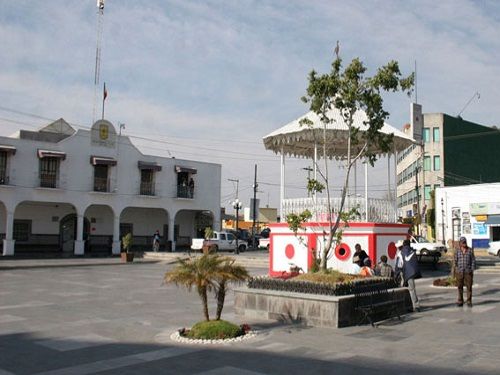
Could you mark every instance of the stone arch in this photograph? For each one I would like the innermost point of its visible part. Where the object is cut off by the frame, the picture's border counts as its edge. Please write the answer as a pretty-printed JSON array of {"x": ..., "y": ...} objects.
[
  {"x": 142, "y": 222},
  {"x": 37, "y": 226},
  {"x": 101, "y": 221},
  {"x": 190, "y": 224}
]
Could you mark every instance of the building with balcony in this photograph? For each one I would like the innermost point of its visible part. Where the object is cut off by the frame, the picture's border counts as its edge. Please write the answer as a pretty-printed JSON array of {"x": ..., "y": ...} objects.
[
  {"x": 452, "y": 152},
  {"x": 80, "y": 191}
]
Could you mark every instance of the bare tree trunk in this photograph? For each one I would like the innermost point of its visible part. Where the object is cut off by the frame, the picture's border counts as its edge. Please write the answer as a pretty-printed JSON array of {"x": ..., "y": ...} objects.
[
  {"x": 204, "y": 300},
  {"x": 221, "y": 296},
  {"x": 328, "y": 244}
]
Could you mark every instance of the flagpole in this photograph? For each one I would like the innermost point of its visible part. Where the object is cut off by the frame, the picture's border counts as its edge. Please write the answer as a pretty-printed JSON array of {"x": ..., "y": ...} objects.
[{"x": 104, "y": 94}]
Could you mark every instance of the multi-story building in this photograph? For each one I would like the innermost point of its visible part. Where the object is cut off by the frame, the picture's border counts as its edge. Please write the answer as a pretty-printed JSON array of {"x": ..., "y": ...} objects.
[
  {"x": 450, "y": 151},
  {"x": 80, "y": 191}
]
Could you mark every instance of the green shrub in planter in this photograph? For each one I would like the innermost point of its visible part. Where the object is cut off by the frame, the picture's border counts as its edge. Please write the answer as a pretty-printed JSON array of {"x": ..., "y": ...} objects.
[{"x": 215, "y": 330}]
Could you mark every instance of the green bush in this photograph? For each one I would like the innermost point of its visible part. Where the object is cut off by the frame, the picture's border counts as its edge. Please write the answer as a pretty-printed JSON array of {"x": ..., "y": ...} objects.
[{"x": 214, "y": 330}]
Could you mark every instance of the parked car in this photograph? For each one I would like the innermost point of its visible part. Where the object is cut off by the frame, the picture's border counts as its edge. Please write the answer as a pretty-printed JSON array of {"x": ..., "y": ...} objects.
[
  {"x": 264, "y": 243},
  {"x": 424, "y": 248},
  {"x": 494, "y": 248},
  {"x": 220, "y": 241}
]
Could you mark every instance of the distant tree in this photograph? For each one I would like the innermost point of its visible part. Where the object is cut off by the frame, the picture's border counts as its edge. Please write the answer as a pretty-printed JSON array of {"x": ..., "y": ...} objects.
[{"x": 349, "y": 91}]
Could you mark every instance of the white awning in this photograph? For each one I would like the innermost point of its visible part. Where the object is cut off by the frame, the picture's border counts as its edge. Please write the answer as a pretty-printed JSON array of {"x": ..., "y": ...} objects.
[
  {"x": 8, "y": 149},
  {"x": 493, "y": 220},
  {"x": 179, "y": 168},
  {"x": 102, "y": 160},
  {"x": 51, "y": 154},
  {"x": 149, "y": 165}
]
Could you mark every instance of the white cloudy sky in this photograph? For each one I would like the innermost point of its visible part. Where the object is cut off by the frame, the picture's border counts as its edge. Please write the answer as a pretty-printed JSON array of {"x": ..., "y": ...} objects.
[{"x": 210, "y": 78}]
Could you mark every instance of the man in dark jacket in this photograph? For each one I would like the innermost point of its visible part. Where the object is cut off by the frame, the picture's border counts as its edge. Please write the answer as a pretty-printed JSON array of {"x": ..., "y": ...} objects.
[
  {"x": 411, "y": 271},
  {"x": 465, "y": 263},
  {"x": 360, "y": 254}
]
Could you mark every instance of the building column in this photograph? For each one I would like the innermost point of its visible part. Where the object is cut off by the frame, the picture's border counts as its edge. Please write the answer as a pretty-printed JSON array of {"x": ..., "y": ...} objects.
[
  {"x": 395, "y": 171},
  {"x": 8, "y": 242},
  {"x": 366, "y": 192},
  {"x": 282, "y": 186},
  {"x": 79, "y": 242},
  {"x": 116, "y": 246},
  {"x": 171, "y": 223}
]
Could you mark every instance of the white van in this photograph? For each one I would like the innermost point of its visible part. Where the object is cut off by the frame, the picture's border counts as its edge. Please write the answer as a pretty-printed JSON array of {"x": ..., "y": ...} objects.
[{"x": 494, "y": 248}]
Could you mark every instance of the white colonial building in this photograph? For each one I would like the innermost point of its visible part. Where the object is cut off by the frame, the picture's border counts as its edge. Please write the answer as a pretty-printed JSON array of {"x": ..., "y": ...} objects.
[{"x": 80, "y": 191}]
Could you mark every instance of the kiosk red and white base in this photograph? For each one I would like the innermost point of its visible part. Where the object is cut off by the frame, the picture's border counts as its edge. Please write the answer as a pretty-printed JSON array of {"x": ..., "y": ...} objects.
[{"x": 289, "y": 249}]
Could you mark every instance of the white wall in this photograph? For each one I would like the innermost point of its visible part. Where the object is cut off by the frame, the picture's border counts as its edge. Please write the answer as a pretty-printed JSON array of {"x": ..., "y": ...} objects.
[
  {"x": 145, "y": 220},
  {"x": 461, "y": 197},
  {"x": 41, "y": 216}
]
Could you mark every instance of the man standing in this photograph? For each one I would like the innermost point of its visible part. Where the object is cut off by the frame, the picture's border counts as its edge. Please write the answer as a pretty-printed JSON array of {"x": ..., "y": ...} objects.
[
  {"x": 465, "y": 263},
  {"x": 411, "y": 272}
]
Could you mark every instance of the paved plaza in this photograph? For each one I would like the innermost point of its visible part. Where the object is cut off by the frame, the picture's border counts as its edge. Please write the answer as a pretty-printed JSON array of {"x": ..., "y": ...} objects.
[{"x": 99, "y": 316}]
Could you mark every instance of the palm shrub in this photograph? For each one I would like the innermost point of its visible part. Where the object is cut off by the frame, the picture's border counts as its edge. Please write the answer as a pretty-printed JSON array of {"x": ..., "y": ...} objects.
[
  {"x": 209, "y": 272},
  {"x": 227, "y": 272}
]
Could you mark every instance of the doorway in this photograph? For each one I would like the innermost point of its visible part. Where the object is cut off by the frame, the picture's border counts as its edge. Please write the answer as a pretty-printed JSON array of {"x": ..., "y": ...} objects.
[{"x": 67, "y": 232}]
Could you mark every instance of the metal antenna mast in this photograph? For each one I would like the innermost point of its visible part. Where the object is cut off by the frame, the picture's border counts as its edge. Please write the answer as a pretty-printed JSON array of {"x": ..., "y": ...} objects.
[
  {"x": 97, "y": 71},
  {"x": 470, "y": 100}
]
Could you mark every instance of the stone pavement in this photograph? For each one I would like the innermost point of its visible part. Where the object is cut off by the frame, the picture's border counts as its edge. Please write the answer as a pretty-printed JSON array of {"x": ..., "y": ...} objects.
[{"x": 84, "y": 316}]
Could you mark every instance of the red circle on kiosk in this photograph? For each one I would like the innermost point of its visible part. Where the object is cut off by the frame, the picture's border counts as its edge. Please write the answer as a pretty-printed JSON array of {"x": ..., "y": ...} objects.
[
  {"x": 289, "y": 251},
  {"x": 343, "y": 251},
  {"x": 391, "y": 250}
]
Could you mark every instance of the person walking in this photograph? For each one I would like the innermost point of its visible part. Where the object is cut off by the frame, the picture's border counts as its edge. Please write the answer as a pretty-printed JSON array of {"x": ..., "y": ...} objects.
[
  {"x": 398, "y": 267},
  {"x": 411, "y": 272},
  {"x": 465, "y": 264},
  {"x": 156, "y": 241}
]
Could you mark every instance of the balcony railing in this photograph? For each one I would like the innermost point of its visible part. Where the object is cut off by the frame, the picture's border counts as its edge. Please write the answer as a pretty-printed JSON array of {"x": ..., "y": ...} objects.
[
  {"x": 101, "y": 184},
  {"x": 147, "y": 188},
  {"x": 185, "y": 192},
  {"x": 4, "y": 179},
  {"x": 48, "y": 180},
  {"x": 379, "y": 210}
]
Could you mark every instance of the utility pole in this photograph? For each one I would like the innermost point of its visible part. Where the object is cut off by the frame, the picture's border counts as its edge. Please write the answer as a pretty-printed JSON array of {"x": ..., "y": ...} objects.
[
  {"x": 237, "y": 183},
  {"x": 417, "y": 169},
  {"x": 309, "y": 170},
  {"x": 254, "y": 205}
]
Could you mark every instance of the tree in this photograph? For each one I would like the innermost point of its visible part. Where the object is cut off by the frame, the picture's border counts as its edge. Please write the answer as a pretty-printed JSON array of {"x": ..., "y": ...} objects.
[
  {"x": 196, "y": 272},
  {"x": 350, "y": 91},
  {"x": 209, "y": 272},
  {"x": 227, "y": 272}
]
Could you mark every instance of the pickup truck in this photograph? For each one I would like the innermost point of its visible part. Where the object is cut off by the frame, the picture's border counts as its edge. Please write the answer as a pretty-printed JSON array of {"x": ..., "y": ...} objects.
[
  {"x": 264, "y": 243},
  {"x": 219, "y": 241},
  {"x": 423, "y": 247}
]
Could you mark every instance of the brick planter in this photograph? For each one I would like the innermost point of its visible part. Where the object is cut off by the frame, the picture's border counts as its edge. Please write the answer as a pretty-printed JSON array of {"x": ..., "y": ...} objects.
[{"x": 309, "y": 309}]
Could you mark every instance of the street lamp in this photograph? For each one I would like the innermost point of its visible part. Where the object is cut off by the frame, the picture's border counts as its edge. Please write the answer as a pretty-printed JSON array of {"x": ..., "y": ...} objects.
[
  {"x": 442, "y": 218},
  {"x": 237, "y": 206}
]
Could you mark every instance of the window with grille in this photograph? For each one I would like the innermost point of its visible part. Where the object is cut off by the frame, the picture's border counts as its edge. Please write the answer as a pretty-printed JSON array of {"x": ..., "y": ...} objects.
[
  {"x": 49, "y": 170},
  {"x": 101, "y": 178},
  {"x": 147, "y": 182},
  {"x": 22, "y": 230}
]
